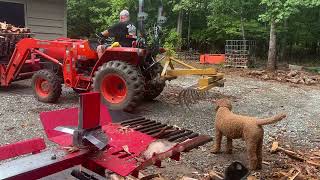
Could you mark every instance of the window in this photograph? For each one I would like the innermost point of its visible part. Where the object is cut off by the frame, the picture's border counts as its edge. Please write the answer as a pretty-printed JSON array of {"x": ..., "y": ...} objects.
[{"x": 12, "y": 13}]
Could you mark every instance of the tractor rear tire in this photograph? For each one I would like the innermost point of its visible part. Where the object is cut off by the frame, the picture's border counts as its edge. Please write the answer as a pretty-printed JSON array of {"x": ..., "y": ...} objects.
[
  {"x": 46, "y": 86},
  {"x": 153, "y": 89},
  {"x": 155, "y": 86},
  {"x": 121, "y": 85}
]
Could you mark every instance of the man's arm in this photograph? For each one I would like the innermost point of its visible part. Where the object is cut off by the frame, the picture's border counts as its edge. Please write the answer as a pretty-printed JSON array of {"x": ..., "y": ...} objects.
[
  {"x": 105, "y": 33},
  {"x": 111, "y": 31}
]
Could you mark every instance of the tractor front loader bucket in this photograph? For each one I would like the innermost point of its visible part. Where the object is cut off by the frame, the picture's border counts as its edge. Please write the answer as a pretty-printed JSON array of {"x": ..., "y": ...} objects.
[{"x": 209, "y": 78}]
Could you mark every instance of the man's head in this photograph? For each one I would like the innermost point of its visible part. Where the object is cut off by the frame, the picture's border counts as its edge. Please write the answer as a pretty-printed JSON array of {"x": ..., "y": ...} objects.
[{"x": 124, "y": 16}]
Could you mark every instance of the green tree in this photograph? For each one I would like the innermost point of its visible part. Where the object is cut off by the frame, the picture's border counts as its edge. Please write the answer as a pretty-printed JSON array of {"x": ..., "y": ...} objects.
[
  {"x": 204, "y": 25},
  {"x": 87, "y": 17},
  {"x": 276, "y": 12}
]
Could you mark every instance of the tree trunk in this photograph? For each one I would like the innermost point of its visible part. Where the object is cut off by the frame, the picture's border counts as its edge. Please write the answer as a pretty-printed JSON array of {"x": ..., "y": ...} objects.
[
  {"x": 179, "y": 25},
  {"x": 283, "y": 50},
  {"x": 271, "y": 64},
  {"x": 189, "y": 30},
  {"x": 242, "y": 29},
  {"x": 241, "y": 20},
  {"x": 180, "y": 22}
]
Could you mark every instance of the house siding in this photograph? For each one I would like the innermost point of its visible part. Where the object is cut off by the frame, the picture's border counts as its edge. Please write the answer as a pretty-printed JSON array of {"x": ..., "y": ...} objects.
[{"x": 46, "y": 18}]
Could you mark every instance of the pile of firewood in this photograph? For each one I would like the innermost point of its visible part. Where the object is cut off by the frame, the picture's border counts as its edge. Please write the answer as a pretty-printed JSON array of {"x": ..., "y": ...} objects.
[
  {"x": 8, "y": 28},
  {"x": 300, "y": 165},
  {"x": 293, "y": 76},
  {"x": 9, "y": 36}
]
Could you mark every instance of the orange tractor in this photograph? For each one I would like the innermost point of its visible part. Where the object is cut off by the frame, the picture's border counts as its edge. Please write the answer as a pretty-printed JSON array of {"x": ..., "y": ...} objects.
[{"x": 123, "y": 75}]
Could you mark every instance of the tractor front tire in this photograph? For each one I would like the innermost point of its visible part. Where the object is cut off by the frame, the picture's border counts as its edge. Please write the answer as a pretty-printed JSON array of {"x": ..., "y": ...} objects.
[
  {"x": 121, "y": 85},
  {"x": 46, "y": 86}
]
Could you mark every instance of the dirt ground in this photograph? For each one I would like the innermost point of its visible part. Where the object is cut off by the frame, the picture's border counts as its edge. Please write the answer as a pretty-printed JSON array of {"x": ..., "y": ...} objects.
[{"x": 19, "y": 119}]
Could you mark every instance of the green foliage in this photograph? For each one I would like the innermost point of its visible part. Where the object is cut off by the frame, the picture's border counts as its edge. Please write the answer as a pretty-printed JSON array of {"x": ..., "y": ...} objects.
[
  {"x": 279, "y": 10},
  {"x": 88, "y": 17},
  {"x": 173, "y": 42},
  {"x": 188, "y": 5},
  {"x": 173, "y": 38},
  {"x": 211, "y": 22}
]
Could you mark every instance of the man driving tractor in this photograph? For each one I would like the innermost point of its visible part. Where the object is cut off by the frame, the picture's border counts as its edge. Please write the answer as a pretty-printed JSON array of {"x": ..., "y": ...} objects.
[{"x": 120, "y": 31}]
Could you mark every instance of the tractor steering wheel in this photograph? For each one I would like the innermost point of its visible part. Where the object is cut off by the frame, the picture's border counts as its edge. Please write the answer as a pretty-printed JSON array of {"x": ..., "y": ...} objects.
[{"x": 103, "y": 40}]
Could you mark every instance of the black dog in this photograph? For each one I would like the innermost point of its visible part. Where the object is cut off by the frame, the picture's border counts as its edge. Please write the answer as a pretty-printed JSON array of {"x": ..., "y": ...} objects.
[{"x": 236, "y": 171}]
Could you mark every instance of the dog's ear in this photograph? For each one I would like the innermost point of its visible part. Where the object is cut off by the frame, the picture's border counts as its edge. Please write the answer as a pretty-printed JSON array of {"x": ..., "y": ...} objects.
[{"x": 217, "y": 107}]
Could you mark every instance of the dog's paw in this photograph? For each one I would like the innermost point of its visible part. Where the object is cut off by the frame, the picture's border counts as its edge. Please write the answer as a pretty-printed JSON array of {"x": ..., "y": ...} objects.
[{"x": 215, "y": 151}]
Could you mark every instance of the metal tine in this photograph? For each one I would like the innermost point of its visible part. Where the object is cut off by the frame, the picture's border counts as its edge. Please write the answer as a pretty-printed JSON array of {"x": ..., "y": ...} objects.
[
  {"x": 194, "y": 96},
  {"x": 165, "y": 133},
  {"x": 140, "y": 127},
  {"x": 156, "y": 131},
  {"x": 188, "y": 99},
  {"x": 202, "y": 94},
  {"x": 207, "y": 94},
  {"x": 137, "y": 122},
  {"x": 181, "y": 98},
  {"x": 152, "y": 128},
  {"x": 190, "y": 96},
  {"x": 153, "y": 131},
  {"x": 144, "y": 123},
  {"x": 173, "y": 133},
  {"x": 186, "y": 96},
  {"x": 145, "y": 127},
  {"x": 185, "y": 102},
  {"x": 193, "y": 135},
  {"x": 132, "y": 120},
  {"x": 180, "y": 135}
]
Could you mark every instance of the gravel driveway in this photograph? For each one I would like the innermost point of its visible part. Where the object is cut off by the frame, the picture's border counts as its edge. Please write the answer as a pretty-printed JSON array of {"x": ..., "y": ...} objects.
[{"x": 301, "y": 129}]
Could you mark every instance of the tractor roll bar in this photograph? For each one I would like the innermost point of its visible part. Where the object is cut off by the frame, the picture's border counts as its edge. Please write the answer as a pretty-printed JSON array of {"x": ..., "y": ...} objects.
[{"x": 142, "y": 17}]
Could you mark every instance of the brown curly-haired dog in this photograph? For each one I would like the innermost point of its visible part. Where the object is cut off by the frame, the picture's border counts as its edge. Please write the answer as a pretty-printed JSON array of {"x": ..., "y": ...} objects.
[{"x": 235, "y": 126}]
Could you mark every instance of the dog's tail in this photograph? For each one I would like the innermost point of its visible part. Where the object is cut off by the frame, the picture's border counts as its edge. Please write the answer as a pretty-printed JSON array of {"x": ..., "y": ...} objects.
[{"x": 271, "y": 120}]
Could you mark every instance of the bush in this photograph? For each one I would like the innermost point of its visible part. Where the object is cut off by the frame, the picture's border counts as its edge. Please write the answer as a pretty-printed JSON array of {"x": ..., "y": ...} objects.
[{"x": 173, "y": 42}]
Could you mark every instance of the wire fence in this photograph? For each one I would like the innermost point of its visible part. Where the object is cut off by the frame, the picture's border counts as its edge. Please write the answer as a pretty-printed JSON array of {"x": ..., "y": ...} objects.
[{"x": 240, "y": 53}]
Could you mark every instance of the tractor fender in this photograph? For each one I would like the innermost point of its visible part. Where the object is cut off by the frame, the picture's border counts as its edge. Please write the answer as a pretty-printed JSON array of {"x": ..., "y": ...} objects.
[{"x": 126, "y": 54}]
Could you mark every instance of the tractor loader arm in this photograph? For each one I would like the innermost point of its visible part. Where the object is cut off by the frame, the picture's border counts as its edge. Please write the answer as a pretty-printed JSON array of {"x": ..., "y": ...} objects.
[{"x": 23, "y": 50}]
